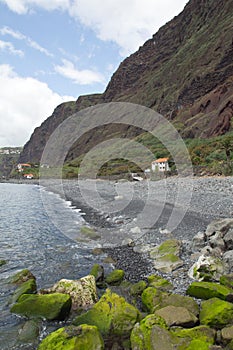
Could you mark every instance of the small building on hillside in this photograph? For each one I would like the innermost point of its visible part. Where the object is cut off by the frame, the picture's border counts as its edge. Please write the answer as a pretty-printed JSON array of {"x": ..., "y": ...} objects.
[
  {"x": 22, "y": 166},
  {"x": 28, "y": 176},
  {"x": 160, "y": 165}
]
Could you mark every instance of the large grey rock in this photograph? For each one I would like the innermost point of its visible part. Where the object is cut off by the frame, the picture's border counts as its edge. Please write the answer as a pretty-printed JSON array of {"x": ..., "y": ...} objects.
[
  {"x": 198, "y": 241},
  {"x": 222, "y": 225},
  {"x": 228, "y": 259},
  {"x": 228, "y": 239}
]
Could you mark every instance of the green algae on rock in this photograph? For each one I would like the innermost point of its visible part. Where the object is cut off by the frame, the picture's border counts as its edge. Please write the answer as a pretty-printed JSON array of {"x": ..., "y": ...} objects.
[
  {"x": 216, "y": 313},
  {"x": 49, "y": 306},
  {"x": 2, "y": 262},
  {"x": 178, "y": 301},
  {"x": 115, "y": 277},
  {"x": 160, "y": 283},
  {"x": 227, "y": 280},
  {"x": 208, "y": 290},
  {"x": 138, "y": 288},
  {"x": 151, "y": 297},
  {"x": 22, "y": 276},
  {"x": 111, "y": 314},
  {"x": 28, "y": 287},
  {"x": 83, "y": 337},
  {"x": 202, "y": 333}
]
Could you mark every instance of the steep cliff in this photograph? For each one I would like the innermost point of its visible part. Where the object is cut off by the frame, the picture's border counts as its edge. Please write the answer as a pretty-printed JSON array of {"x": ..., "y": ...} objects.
[{"x": 185, "y": 72}]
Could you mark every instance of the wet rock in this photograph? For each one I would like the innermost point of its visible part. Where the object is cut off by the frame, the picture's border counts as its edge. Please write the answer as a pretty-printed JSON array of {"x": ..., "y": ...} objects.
[
  {"x": 216, "y": 313},
  {"x": 115, "y": 277},
  {"x": 22, "y": 276},
  {"x": 28, "y": 287},
  {"x": 177, "y": 316},
  {"x": 111, "y": 315},
  {"x": 29, "y": 332},
  {"x": 72, "y": 338},
  {"x": 50, "y": 306},
  {"x": 208, "y": 290},
  {"x": 98, "y": 272},
  {"x": 82, "y": 292}
]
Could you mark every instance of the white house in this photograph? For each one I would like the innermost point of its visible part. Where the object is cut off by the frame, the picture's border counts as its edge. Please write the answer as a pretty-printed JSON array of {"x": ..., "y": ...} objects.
[{"x": 160, "y": 164}]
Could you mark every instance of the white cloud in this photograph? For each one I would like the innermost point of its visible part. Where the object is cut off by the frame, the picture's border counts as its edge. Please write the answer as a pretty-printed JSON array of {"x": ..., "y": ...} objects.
[
  {"x": 24, "y": 6},
  {"x": 24, "y": 104},
  {"x": 17, "y": 35},
  {"x": 7, "y": 46},
  {"x": 128, "y": 23},
  {"x": 82, "y": 77}
]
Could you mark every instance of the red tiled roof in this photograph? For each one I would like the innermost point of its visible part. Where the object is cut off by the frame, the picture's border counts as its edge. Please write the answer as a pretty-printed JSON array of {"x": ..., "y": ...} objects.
[{"x": 161, "y": 160}]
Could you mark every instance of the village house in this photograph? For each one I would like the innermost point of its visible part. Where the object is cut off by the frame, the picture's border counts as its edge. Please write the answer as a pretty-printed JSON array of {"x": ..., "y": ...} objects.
[
  {"x": 28, "y": 176},
  {"x": 160, "y": 165},
  {"x": 22, "y": 166}
]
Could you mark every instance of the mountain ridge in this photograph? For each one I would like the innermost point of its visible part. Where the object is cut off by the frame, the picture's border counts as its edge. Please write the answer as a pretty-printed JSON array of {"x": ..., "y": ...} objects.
[{"x": 185, "y": 72}]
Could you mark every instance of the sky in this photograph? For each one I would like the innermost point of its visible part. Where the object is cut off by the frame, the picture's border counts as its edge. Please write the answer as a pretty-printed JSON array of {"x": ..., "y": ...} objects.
[{"x": 52, "y": 51}]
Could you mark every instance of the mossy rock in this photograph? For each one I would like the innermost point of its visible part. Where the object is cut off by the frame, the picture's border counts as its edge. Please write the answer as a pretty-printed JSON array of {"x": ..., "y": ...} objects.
[
  {"x": 138, "y": 288},
  {"x": 151, "y": 297},
  {"x": 227, "y": 334},
  {"x": 196, "y": 344},
  {"x": 83, "y": 337},
  {"x": 178, "y": 301},
  {"x": 49, "y": 306},
  {"x": 177, "y": 316},
  {"x": 152, "y": 334},
  {"x": 28, "y": 287},
  {"x": 29, "y": 332},
  {"x": 89, "y": 233},
  {"x": 208, "y": 290},
  {"x": 171, "y": 246},
  {"x": 227, "y": 280},
  {"x": 22, "y": 276},
  {"x": 160, "y": 283},
  {"x": 98, "y": 272},
  {"x": 2, "y": 262},
  {"x": 115, "y": 277},
  {"x": 111, "y": 314},
  {"x": 216, "y": 313},
  {"x": 202, "y": 333}
]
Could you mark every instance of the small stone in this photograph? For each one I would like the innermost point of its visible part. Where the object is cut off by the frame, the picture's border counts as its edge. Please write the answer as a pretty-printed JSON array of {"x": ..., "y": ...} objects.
[
  {"x": 97, "y": 251},
  {"x": 22, "y": 276},
  {"x": 198, "y": 241},
  {"x": 98, "y": 272},
  {"x": 2, "y": 262},
  {"x": 227, "y": 334}
]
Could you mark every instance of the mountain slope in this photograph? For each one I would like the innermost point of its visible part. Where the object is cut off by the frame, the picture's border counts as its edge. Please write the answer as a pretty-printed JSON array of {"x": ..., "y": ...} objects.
[{"x": 184, "y": 72}]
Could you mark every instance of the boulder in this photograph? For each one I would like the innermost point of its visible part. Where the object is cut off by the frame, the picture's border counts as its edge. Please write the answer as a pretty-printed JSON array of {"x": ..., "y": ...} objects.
[
  {"x": 115, "y": 277},
  {"x": 111, "y": 315},
  {"x": 178, "y": 300},
  {"x": 151, "y": 297},
  {"x": 177, "y": 316},
  {"x": 22, "y": 276},
  {"x": 228, "y": 239},
  {"x": 227, "y": 280},
  {"x": 50, "y": 306},
  {"x": 227, "y": 334},
  {"x": 98, "y": 272},
  {"x": 82, "y": 292},
  {"x": 228, "y": 259},
  {"x": 29, "y": 332},
  {"x": 198, "y": 241},
  {"x": 207, "y": 268},
  {"x": 2, "y": 262},
  {"x": 166, "y": 256},
  {"x": 73, "y": 338},
  {"x": 216, "y": 313},
  {"x": 152, "y": 334},
  {"x": 201, "y": 333},
  {"x": 160, "y": 283},
  {"x": 138, "y": 288},
  {"x": 208, "y": 290},
  {"x": 222, "y": 225},
  {"x": 28, "y": 287}
]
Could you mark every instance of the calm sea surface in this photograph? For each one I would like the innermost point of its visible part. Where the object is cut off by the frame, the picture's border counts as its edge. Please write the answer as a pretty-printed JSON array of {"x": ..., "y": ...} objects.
[{"x": 29, "y": 239}]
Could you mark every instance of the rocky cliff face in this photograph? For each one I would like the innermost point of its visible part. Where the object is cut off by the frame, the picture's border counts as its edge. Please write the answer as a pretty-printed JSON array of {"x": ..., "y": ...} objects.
[{"x": 184, "y": 72}]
